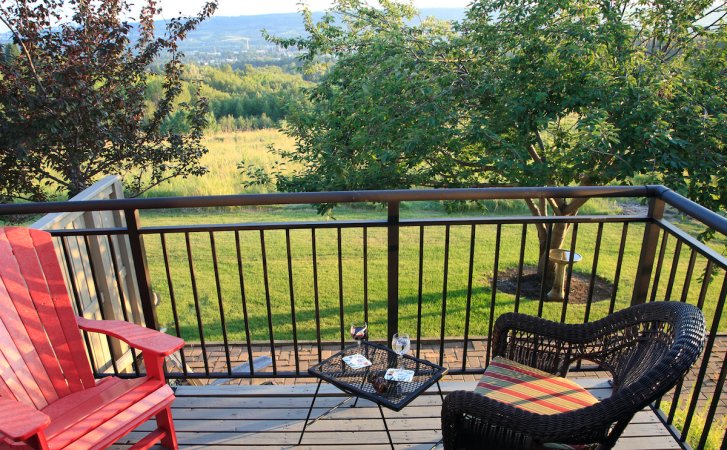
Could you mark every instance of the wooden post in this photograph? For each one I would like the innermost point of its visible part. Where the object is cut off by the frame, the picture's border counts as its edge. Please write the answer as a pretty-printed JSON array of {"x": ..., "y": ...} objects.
[
  {"x": 125, "y": 261},
  {"x": 138, "y": 253},
  {"x": 648, "y": 251},
  {"x": 393, "y": 270},
  {"x": 102, "y": 275}
]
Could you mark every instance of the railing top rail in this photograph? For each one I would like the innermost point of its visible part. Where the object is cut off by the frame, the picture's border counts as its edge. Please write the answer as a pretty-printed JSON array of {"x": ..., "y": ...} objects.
[
  {"x": 695, "y": 210},
  {"x": 509, "y": 193}
]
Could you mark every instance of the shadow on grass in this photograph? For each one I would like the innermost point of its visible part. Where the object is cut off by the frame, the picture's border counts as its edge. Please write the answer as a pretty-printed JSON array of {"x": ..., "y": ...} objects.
[{"x": 331, "y": 327}]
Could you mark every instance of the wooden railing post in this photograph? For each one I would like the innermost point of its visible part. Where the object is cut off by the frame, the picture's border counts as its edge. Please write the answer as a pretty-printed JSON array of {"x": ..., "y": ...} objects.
[
  {"x": 648, "y": 251},
  {"x": 393, "y": 269},
  {"x": 141, "y": 270}
]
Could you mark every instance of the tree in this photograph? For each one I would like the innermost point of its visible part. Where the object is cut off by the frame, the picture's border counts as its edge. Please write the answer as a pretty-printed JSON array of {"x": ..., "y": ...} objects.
[
  {"x": 554, "y": 92},
  {"x": 382, "y": 115},
  {"x": 72, "y": 103},
  {"x": 9, "y": 52}
]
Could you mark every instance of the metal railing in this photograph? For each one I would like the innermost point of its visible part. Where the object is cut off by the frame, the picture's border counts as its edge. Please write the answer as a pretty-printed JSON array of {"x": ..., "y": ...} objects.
[{"x": 266, "y": 285}]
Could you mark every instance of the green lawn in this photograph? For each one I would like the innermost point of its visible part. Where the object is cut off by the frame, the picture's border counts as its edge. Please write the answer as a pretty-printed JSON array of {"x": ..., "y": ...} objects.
[
  {"x": 716, "y": 430},
  {"x": 226, "y": 150},
  {"x": 352, "y": 273}
]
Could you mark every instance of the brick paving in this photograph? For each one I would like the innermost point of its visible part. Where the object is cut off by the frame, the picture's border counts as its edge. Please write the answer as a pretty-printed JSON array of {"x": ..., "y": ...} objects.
[{"x": 453, "y": 357}]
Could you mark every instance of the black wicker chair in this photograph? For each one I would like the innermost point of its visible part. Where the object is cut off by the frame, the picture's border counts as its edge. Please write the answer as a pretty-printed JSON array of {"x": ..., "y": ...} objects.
[{"x": 647, "y": 349}]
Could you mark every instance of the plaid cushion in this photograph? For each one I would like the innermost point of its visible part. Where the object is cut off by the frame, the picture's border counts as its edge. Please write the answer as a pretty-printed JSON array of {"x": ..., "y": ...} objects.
[{"x": 531, "y": 389}]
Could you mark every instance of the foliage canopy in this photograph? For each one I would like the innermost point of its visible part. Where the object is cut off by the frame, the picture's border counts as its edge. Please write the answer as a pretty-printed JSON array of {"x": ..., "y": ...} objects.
[
  {"x": 72, "y": 101},
  {"x": 553, "y": 92}
]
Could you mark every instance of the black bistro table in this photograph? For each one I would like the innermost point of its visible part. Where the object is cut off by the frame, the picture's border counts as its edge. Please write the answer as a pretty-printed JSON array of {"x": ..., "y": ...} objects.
[{"x": 358, "y": 382}]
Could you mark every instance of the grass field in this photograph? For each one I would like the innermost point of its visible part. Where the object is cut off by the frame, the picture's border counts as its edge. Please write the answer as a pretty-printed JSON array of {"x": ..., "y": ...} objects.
[
  {"x": 352, "y": 276},
  {"x": 227, "y": 150}
]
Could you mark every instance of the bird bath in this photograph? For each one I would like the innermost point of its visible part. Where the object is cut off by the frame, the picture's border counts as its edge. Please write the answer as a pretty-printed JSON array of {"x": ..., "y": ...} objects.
[{"x": 561, "y": 258}]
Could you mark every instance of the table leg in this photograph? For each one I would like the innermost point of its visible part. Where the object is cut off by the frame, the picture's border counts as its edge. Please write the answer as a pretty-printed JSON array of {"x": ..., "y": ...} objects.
[
  {"x": 439, "y": 388},
  {"x": 386, "y": 427},
  {"x": 310, "y": 410}
]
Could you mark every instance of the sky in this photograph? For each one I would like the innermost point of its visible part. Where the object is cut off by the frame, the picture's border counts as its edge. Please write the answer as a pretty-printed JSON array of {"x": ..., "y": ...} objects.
[
  {"x": 252, "y": 7},
  {"x": 173, "y": 8}
]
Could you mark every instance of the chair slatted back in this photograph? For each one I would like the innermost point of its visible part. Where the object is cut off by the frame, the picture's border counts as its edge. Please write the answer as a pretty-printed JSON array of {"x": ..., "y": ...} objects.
[{"x": 42, "y": 356}]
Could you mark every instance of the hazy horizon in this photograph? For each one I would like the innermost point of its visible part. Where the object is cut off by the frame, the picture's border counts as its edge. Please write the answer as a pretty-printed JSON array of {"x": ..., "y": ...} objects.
[{"x": 232, "y": 8}]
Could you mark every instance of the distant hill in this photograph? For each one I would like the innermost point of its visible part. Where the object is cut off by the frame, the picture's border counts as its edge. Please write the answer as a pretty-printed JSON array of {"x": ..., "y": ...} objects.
[
  {"x": 221, "y": 40},
  {"x": 225, "y": 32}
]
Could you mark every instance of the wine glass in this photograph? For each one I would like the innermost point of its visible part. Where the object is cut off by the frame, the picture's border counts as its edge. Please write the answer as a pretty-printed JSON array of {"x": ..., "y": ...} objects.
[
  {"x": 401, "y": 345},
  {"x": 359, "y": 333}
]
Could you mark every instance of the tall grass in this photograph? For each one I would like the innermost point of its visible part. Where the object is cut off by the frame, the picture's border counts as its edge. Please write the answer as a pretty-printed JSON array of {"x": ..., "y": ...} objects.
[{"x": 226, "y": 151}]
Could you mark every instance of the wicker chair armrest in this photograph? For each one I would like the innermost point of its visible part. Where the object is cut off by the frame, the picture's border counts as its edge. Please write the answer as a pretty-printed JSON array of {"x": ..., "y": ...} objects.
[
  {"x": 573, "y": 334},
  {"x": 537, "y": 342},
  {"x": 473, "y": 420},
  {"x": 553, "y": 346}
]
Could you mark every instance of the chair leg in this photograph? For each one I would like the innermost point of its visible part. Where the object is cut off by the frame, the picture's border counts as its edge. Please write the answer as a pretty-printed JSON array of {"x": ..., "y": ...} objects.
[
  {"x": 37, "y": 441},
  {"x": 166, "y": 423}
]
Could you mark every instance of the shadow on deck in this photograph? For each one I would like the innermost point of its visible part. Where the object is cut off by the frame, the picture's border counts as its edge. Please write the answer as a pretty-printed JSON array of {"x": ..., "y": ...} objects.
[{"x": 272, "y": 417}]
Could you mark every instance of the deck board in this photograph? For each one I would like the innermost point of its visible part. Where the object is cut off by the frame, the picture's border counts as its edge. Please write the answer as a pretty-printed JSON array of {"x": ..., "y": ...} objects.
[{"x": 237, "y": 417}]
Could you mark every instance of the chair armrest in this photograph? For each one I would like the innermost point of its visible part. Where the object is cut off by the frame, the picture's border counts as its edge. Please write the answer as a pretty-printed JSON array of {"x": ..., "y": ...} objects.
[
  {"x": 19, "y": 421},
  {"x": 542, "y": 328},
  {"x": 539, "y": 343},
  {"x": 138, "y": 337},
  {"x": 553, "y": 346}
]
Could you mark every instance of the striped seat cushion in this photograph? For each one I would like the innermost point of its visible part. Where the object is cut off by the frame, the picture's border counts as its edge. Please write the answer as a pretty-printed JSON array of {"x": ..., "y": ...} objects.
[{"x": 531, "y": 389}]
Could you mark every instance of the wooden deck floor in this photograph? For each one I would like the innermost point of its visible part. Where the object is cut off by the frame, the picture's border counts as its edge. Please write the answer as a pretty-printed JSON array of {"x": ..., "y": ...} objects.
[{"x": 272, "y": 417}]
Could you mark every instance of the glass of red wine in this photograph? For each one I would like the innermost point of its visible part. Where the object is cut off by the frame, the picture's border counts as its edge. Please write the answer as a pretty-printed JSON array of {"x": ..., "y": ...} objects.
[{"x": 359, "y": 333}]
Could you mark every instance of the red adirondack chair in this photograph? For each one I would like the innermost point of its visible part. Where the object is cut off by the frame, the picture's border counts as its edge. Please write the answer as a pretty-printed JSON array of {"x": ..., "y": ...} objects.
[{"x": 48, "y": 396}]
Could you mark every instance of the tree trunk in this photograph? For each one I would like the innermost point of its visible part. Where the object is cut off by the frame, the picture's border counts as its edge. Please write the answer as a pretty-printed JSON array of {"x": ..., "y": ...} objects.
[
  {"x": 560, "y": 230},
  {"x": 76, "y": 182},
  {"x": 562, "y": 207}
]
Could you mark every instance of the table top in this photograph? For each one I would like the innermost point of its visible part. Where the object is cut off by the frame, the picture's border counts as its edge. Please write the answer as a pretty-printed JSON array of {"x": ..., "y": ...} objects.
[{"x": 357, "y": 381}]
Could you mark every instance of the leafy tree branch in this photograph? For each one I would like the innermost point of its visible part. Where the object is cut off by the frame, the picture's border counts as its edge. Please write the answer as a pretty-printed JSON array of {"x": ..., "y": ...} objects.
[{"x": 72, "y": 103}]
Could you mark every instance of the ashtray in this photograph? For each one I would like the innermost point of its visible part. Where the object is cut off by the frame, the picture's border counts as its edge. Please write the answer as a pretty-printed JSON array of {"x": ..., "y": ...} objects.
[{"x": 380, "y": 384}]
